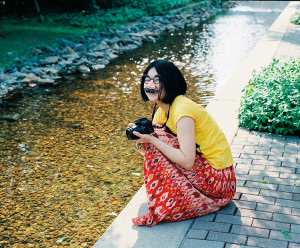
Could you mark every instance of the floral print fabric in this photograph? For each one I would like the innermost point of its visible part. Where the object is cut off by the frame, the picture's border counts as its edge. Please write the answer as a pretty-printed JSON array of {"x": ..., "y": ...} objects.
[{"x": 175, "y": 193}]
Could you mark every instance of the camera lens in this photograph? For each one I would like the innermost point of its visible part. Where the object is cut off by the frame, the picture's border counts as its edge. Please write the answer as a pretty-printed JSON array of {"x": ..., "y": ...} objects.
[{"x": 129, "y": 132}]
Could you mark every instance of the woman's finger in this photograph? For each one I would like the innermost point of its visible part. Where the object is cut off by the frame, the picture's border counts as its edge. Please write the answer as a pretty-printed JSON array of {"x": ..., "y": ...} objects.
[
  {"x": 131, "y": 125},
  {"x": 137, "y": 134}
]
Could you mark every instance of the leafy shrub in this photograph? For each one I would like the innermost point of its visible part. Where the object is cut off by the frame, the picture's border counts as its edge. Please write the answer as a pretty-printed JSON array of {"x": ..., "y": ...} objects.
[
  {"x": 271, "y": 100},
  {"x": 296, "y": 18}
]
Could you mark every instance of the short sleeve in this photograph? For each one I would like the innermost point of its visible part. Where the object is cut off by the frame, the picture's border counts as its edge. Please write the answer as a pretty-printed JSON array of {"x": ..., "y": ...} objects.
[{"x": 183, "y": 110}]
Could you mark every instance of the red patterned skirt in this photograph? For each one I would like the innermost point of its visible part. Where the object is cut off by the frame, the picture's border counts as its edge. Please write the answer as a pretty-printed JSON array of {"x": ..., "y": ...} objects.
[{"x": 175, "y": 193}]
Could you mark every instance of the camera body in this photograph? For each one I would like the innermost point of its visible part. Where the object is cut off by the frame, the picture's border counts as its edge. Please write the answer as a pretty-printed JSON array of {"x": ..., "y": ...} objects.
[{"x": 143, "y": 126}]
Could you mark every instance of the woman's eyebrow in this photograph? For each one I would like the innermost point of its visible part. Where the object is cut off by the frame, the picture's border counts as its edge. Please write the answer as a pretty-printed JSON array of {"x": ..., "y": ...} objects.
[{"x": 146, "y": 75}]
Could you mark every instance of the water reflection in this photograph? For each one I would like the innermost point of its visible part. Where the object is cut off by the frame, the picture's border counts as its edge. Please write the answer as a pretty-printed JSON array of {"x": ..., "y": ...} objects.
[
  {"x": 209, "y": 54},
  {"x": 66, "y": 166}
]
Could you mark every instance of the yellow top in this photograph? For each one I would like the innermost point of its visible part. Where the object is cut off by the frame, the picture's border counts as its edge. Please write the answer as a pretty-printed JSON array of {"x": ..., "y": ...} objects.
[{"x": 211, "y": 139}]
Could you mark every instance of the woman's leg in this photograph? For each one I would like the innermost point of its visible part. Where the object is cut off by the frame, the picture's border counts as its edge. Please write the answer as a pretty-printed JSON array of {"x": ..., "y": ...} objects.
[{"x": 175, "y": 193}]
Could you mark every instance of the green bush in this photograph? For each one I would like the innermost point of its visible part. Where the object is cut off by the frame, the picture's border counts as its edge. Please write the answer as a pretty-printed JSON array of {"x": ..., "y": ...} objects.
[
  {"x": 271, "y": 100},
  {"x": 296, "y": 18}
]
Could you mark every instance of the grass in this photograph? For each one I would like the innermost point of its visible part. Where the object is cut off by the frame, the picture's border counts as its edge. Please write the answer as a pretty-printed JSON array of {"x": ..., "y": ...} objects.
[
  {"x": 18, "y": 36},
  {"x": 17, "y": 39},
  {"x": 286, "y": 234}
]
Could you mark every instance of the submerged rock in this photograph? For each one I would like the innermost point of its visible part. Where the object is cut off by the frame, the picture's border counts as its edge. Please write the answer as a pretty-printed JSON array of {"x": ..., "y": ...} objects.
[
  {"x": 46, "y": 82},
  {"x": 12, "y": 117}
]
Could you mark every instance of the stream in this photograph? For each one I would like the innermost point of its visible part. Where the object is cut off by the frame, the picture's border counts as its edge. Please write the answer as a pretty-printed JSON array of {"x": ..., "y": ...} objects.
[{"x": 66, "y": 167}]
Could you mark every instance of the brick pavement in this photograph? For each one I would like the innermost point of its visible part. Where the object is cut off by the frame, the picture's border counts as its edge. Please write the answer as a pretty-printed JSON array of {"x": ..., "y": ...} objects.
[{"x": 266, "y": 208}]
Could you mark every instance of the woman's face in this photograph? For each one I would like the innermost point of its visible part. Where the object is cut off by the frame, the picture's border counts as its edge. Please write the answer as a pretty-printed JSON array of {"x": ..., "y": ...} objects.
[{"x": 152, "y": 82}]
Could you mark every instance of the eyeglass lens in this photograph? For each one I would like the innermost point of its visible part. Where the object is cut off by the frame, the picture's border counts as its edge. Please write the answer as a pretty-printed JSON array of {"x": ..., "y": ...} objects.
[{"x": 155, "y": 79}]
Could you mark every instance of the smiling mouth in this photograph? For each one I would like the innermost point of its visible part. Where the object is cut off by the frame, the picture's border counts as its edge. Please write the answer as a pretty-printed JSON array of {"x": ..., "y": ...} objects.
[{"x": 151, "y": 90}]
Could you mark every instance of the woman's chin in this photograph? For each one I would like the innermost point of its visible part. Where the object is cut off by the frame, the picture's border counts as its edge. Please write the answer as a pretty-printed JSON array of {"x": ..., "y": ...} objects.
[{"x": 152, "y": 97}]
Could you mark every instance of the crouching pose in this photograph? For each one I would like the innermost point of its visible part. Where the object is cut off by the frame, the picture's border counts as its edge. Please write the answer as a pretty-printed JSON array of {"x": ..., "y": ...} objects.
[{"x": 188, "y": 169}]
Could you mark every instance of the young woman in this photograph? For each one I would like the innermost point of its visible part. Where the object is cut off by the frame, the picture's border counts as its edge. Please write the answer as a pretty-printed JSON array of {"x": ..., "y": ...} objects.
[{"x": 188, "y": 168}]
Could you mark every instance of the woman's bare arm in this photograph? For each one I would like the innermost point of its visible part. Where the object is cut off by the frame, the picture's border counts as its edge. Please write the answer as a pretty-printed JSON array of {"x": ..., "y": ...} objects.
[{"x": 185, "y": 154}]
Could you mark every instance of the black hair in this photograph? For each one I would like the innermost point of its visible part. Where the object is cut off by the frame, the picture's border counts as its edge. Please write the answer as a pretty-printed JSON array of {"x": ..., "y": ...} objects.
[{"x": 171, "y": 79}]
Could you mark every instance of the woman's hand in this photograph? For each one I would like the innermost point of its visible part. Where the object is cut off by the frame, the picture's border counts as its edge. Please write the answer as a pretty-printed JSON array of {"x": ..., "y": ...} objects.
[
  {"x": 141, "y": 143},
  {"x": 143, "y": 138},
  {"x": 130, "y": 125},
  {"x": 140, "y": 147}
]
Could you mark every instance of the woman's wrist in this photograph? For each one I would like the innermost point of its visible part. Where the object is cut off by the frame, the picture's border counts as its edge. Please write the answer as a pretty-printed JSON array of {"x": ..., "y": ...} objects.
[{"x": 151, "y": 139}]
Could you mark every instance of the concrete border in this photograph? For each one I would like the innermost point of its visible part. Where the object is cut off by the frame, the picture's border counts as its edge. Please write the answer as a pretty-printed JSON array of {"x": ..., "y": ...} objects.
[
  {"x": 122, "y": 234},
  {"x": 224, "y": 108}
]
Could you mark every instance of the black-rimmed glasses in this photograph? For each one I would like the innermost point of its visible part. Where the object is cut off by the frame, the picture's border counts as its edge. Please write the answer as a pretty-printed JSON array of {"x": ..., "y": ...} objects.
[{"x": 155, "y": 79}]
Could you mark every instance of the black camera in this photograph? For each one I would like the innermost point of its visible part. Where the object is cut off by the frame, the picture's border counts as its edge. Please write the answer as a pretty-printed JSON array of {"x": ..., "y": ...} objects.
[{"x": 143, "y": 126}]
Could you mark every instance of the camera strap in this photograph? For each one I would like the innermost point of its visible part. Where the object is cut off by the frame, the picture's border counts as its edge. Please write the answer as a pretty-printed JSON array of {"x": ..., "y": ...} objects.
[{"x": 153, "y": 113}]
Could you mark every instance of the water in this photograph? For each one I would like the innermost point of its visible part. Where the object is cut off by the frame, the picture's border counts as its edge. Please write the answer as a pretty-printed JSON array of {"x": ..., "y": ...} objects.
[
  {"x": 210, "y": 54},
  {"x": 66, "y": 166}
]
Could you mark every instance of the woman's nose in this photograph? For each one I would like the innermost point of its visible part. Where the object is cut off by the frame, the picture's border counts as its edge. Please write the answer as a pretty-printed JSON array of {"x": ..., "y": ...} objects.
[{"x": 151, "y": 83}]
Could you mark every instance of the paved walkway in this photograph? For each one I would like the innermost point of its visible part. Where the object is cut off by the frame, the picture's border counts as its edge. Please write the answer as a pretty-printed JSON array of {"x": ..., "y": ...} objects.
[
  {"x": 290, "y": 43},
  {"x": 266, "y": 208}
]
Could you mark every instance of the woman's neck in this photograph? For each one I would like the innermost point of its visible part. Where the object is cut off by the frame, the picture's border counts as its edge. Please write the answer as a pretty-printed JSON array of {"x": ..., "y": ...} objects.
[{"x": 164, "y": 106}]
